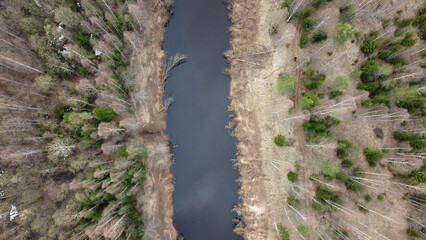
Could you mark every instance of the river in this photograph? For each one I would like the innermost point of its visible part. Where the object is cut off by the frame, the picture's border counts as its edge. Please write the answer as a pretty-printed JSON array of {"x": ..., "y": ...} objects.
[{"x": 205, "y": 187}]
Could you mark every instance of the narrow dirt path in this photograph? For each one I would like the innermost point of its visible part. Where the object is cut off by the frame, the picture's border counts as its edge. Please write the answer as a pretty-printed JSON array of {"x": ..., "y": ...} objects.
[{"x": 299, "y": 133}]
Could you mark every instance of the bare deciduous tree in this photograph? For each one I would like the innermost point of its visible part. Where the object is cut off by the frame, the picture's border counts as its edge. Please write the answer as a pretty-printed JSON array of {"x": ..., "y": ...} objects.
[{"x": 173, "y": 62}]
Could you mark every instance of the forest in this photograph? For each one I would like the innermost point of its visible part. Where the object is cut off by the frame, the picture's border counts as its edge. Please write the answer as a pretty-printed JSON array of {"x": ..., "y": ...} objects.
[{"x": 81, "y": 119}]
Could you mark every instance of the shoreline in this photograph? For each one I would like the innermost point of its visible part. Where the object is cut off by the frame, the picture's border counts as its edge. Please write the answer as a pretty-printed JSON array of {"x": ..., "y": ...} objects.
[
  {"x": 157, "y": 202},
  {"x": 251, "y": 183}
]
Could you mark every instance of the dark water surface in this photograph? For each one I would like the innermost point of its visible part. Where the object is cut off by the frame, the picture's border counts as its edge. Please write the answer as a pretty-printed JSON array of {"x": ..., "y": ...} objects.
[{"x": 205, "y": 188}]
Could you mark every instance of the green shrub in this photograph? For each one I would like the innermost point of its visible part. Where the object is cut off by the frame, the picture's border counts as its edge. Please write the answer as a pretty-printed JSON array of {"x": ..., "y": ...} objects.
[
  {"x": 335, "y": 94},
  {"x": 279, "y": 140},
  {"x": 316, "y": 206},
  {"x": 418, "y": 144},
  {"x": 374, "y": 34},
  {"x": 405, "y": 22},
  {"x": 95, "y": 206},
  {"x": 398, "y": 62},
  {"x": 320, "y": 3},
  {"x": 104, "y": 114},
  {"x": 359, "y": 34},
  {"x": 308, "y": 101},
  {"x": 59, "y": 111},
  {"x": 373, "y": 156},
  {"x": 345, "y": 148},
  {"x": 286, "y": 3},
  {"x": 319, "y": 35},
  {"x": 322, "y": 194},
  {"x": 385, "y": 54},
  {"x": 140, "y": 153},
  {"x": 413, "y": 233},
  {"x": 304, "y": 13},
  {"x": 347, "y": 163},
  {"x": 339, "y": 233},
  {"x": 340, "y": 83},
  {"x": 292, "y": 176},
  {"x": 116, "y": 60},
  {"x": 408, "y": 40},
  {"x": 383, "y": 71},
  {"x": 403, "y": 136},
  {"x": 273, "y": 29},
  {"x": 78, "y": 119},
  {"x": 420, "y": 21},
  {"x": 418, "y": 176},
  {"x": 329, "y": 169},
  {"x": 283, "y": 233},
  {"x": 367, "y": 70},
  {"x": 347, "y": 13},
  {"x": 122, "y": 152},
  {"x": 386, "y": 22},
  {"x": 304, "y": 40},
  {"x": 363, "y": 209},
  {"x": 369, "y": 46},
  {"x": 314, "y": 83},
  {"x": 135, "y": 223},
  {"x": 368, "y": 198},
  {"x": 422, "y": 10},
  {"x": 355, "y": 74},
  {"x": 294, "y": 202},
  {"x": 408, "y": 97},
  {"x": 286, "y": 84},
  {"x": 83, "y": 41},
  {"x": 309, "y": 73},
  {"x": 343, "y": 32},
  {"x": 353, "y": 185},
  {"x": 317, "y": 128},
  {"x": 341, "y": 176},
  {"x": 378, "y": 93},
  {"x": 84, "y": 71},
  {"x": 305, "y": 230},
  {"x": 308, "y": 24},
  {"x": 367, "y": 102}
]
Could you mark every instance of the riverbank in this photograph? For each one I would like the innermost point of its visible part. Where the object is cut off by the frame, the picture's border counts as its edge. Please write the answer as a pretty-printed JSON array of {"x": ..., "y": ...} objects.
[
  {"x": 256, "y": 61},
  {"x": 151, "y": 116}
]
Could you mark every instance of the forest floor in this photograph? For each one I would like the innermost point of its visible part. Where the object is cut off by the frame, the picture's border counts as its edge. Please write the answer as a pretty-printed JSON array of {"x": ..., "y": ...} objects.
[{"x": 257, "y": 59}]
